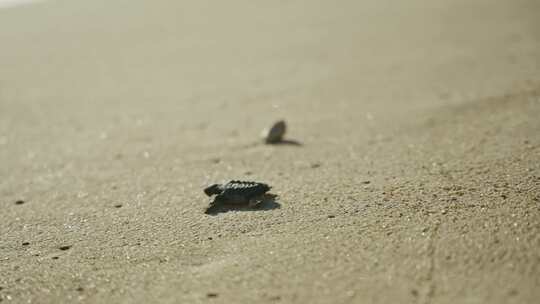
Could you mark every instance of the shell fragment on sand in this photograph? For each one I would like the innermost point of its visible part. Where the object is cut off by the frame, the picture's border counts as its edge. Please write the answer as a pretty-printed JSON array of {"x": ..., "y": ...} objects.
[{"x": 275, "y": 133}]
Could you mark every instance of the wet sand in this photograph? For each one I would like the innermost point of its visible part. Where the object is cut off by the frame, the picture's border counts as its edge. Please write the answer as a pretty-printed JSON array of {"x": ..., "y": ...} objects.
[{"x": 417, "y": 179}]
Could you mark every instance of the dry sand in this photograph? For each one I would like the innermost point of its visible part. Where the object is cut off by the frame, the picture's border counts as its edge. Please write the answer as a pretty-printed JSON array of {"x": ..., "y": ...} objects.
[{"x": 418, "y": 180}]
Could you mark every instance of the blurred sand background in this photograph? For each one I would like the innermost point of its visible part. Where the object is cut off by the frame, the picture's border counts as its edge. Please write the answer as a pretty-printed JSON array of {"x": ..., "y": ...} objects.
[{"x": 418, "y": 180}]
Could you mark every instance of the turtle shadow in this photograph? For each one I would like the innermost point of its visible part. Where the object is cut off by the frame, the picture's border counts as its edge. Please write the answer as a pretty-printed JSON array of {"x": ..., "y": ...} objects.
[
  {"x": 286, "y": 142},
  {"x": 268, "y": 203}
]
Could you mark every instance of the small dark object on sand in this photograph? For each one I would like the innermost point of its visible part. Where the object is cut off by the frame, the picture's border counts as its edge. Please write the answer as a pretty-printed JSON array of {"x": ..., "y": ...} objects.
[
  {"x": 19, "y": 202},
  {"x": 275, "y": 133},
  {"x": 236, "y": 192}
]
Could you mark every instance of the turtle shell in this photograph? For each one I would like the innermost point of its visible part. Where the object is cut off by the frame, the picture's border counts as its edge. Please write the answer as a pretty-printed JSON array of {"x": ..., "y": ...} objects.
[{"x": 244, "y": 189}]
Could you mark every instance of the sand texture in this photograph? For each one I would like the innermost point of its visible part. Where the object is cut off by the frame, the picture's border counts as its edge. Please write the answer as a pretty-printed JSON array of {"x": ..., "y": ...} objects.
[{"x": 411, "y": 171}]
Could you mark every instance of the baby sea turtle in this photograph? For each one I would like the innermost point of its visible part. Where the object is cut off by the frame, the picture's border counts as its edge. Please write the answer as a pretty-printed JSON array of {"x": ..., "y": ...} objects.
[{"x": 236, "y": 192}]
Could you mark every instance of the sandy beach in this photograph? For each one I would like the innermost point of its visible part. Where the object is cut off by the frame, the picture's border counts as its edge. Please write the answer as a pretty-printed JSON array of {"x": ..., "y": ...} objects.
[{"x": 416, "y": 177}]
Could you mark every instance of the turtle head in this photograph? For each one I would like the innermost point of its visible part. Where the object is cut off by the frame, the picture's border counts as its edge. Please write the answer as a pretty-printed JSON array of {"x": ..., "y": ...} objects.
[{"x": 212, "y": 190}]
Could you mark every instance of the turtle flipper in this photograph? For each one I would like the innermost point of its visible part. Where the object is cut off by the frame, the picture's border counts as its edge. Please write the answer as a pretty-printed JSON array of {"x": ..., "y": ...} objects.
[{"x": 255, "y": 202}]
